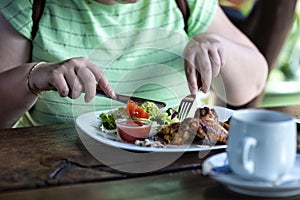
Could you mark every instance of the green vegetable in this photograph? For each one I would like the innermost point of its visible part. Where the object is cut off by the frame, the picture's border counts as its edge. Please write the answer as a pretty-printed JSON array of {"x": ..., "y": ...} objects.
[
  {"x": 161, "y": 117},
  {"x": 151, "y": 108},
  {"x": 156, "y": 115},
  {"x": 107, "y": 121},
  {"x": 108, "y": 118}
]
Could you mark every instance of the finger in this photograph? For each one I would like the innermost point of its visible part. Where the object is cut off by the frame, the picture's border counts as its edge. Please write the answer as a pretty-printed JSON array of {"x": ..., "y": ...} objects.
[
  {"x": 102, "y": 82},
  {"x": 215, "y": 61},
  {"x": 199, "y": 79},
  {"x": 105, "y": 87},
  {"x": 204, "y": 67},
  {"x": 190, "y": 71},
  {"x": 74, "y": 83},
  {"x": 88, "y": 80},
  {"x": 198, "y": 75},
  {"x": 57, "y": 80},
  {"x": 221, "y": 52}
]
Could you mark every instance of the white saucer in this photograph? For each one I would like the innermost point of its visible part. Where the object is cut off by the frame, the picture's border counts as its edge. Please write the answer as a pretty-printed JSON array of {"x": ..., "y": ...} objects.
[{"x": 217, "y": 167}]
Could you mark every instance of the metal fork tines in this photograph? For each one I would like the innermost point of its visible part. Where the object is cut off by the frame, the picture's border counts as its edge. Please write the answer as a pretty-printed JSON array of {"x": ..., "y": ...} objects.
[{"x": 185, "y": 106}]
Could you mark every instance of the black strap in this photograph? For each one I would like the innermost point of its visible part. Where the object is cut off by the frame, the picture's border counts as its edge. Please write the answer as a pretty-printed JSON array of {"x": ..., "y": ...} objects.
[
  {"x": 183, "y": 6},
  {"x": 37, "y": 11}
]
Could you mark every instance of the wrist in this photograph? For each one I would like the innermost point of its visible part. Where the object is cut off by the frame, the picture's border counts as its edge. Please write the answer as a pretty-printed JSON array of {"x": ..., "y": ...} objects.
[{"x": 33, "y": 89}]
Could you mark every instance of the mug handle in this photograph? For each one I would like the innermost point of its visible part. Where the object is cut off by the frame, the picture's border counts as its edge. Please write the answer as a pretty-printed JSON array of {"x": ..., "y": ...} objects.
[{"x": 248, "y": 164}]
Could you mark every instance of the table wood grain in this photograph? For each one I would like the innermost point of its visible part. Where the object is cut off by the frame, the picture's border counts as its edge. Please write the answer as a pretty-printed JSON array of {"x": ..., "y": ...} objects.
[{"x": 51, "y": 161}]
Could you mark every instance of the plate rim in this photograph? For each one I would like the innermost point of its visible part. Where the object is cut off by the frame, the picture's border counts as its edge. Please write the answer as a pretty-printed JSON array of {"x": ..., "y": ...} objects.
[{"x": 249, "y": 185}]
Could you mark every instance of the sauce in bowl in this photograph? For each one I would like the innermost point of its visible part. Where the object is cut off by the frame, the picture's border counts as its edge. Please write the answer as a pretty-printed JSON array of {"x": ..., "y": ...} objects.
[{"x": 131, "y": 130}]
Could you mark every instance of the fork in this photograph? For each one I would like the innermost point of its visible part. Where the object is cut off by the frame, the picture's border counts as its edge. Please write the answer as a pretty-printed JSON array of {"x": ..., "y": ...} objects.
[{"x": 185, "y": 106}]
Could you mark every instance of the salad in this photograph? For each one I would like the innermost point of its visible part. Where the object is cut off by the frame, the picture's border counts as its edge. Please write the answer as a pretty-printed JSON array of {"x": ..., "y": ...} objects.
[{"x": 147, "y": 110}]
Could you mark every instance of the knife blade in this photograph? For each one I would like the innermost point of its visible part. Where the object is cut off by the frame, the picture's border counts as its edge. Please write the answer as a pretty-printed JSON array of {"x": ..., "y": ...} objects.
[{"x": 125, "y": 99}]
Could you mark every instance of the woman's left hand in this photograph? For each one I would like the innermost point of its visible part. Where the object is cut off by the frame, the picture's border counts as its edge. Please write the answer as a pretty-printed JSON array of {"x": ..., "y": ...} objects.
[{"x": 204, "y": 57}]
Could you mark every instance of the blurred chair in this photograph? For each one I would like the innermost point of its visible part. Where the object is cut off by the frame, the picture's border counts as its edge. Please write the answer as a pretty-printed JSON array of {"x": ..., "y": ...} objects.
[{"x": 268, "y": 26}]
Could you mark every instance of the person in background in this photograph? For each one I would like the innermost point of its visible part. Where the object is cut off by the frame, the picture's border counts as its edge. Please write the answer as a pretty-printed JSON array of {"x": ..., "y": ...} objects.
[
  {"x": 234, "y": 9},
  {"x": 267, "y": 24},
  {"x": 120, "y": 46}
]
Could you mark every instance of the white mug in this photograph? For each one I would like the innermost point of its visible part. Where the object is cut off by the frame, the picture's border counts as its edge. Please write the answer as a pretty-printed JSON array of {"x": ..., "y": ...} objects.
[{"x": 262, "y": 144}]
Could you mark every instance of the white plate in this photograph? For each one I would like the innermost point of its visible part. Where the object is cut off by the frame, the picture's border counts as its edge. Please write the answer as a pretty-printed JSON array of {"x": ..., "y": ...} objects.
[
  {"x": 217, "y": 167},
  {"x": 88, "y": 123}
]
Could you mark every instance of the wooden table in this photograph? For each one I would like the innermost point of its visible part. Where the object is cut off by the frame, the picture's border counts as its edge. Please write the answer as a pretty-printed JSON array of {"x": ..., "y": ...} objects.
[{"x": 51, "y": 162}]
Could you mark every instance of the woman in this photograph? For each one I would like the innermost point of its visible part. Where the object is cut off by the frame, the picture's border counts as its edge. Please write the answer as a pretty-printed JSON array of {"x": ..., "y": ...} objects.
[{"x": 130, "y": 46}]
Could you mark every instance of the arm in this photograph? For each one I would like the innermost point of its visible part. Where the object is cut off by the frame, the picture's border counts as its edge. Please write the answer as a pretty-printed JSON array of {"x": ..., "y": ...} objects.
[
  {"x": 16, "y": 99},
  {"x": 222, "y": 54},
  {"x": 69, "y": 77}
]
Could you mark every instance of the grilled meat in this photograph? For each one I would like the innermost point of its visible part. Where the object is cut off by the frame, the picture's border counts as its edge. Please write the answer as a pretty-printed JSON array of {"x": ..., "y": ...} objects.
[
  {"x": 205, "y": 125},
  {"x": 210, "y": 128}
]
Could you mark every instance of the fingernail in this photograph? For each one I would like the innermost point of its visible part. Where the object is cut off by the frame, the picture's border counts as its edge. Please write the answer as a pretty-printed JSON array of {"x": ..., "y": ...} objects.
[
  {"x": 87, "y": 99},
  {"x": 112, "y": 94},
  {"x": 195, "y": 91}
]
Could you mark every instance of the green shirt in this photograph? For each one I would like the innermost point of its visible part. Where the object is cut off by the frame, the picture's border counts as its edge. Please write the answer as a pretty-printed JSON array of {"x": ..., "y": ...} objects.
[{"x": 138, "y": 46}]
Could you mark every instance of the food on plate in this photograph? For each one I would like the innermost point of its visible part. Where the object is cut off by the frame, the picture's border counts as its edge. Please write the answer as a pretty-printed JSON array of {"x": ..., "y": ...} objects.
[
  {"x": 147, "y": 110},
  {"x": 150, "y": 143},
  {"x": 133, "y": 124},
  {"x": 205, "y": 125},
  {"x": 108, "y": 121},
  {"x": 179, "y": 133},
  {"x": 210, "y": 128},
  {"x": 131, "y": 130},
  {"x": 160, "y": 116},
  {"x": 134, "y": 110}
]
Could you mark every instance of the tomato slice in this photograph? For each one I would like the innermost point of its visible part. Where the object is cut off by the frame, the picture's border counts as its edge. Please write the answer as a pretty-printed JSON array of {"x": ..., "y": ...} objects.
[
  {"x": 134, "y": 110},
  {"x": 140, "y": 113},
  {"x": 131, "y": 107}
]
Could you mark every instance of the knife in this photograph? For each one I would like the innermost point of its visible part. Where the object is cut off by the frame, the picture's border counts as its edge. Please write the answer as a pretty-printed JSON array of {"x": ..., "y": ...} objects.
[{"x": 125, "y": 99}]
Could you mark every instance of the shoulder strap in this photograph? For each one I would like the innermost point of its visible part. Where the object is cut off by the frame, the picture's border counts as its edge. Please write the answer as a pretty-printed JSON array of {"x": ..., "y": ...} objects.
[
  {"x": 183, "y": 6},
  {"x": 37, "y": 11}
]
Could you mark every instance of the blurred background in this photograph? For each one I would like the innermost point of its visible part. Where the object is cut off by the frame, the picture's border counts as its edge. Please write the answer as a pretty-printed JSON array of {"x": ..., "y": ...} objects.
[{"x": 277, "y": 21}]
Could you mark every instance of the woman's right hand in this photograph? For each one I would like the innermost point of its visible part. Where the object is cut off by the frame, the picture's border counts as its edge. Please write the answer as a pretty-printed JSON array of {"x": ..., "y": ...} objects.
[{"x": 70, "y": 78}]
